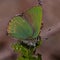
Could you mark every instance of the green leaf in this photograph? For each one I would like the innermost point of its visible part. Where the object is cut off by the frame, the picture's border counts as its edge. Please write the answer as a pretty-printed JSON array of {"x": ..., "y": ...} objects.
[
  {"x": 24, "y": 51},
  {"x": 34, "y": 16},
  {"x": 16, "y": 47},
  {"x": 19, "y": 28},
  {"x": 26, "y": 54}
]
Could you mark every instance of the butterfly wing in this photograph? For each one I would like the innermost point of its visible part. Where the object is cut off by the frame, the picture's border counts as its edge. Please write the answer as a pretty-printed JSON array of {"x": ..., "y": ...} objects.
[
  {"x": 19, "y": 28},
  {"x": 34, "y": 16}
]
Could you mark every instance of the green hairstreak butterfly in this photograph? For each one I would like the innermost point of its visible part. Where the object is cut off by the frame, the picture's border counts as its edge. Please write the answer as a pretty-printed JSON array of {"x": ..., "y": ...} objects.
[
  {"x": 24, "y": 28},
  {"x": 27, "y": 28}
]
